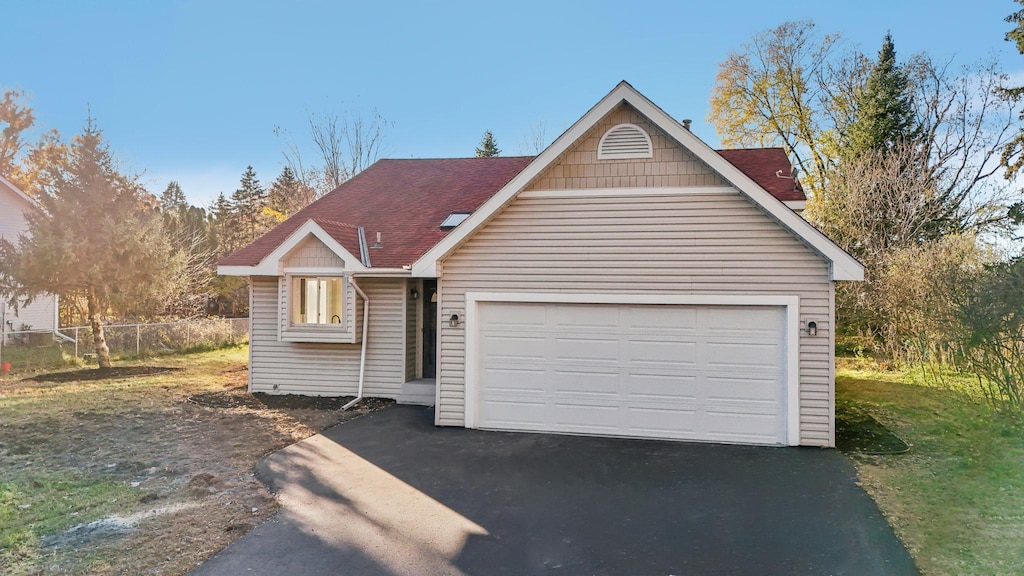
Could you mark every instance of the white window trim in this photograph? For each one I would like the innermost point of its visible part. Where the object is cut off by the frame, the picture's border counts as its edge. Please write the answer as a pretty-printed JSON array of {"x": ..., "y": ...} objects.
[
  {"x": 601, "y": 155},
  {"x": 342, "y": 333},
  {"x": 792, "y": 331}
]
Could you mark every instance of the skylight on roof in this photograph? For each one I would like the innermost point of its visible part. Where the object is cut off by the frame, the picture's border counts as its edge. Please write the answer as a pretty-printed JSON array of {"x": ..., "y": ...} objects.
[{"x": 453, "y": 220}]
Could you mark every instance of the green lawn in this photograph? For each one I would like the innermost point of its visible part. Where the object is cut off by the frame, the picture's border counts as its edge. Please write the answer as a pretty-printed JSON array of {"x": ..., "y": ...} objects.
[{"x": 957, "y": 498}]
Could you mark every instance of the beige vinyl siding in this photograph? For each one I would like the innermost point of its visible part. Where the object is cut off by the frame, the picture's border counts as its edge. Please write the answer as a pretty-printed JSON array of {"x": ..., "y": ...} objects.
[
  {"x": 410, "y": 330},
  {"x": 312, "y": 253},
  {"x": 671, "y": 165},
  {"x": 718, "y": 243},
  {"x": 41, "y": 314},
  {"x": 328, "y": 369}
]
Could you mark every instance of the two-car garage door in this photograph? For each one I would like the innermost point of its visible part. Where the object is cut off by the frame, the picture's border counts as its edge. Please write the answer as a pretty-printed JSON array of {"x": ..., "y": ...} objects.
[{"x": 713, "y": 373}]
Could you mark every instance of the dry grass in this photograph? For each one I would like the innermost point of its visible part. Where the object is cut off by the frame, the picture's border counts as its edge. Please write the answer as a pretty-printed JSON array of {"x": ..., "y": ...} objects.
[{"x": 168, "y": 481}]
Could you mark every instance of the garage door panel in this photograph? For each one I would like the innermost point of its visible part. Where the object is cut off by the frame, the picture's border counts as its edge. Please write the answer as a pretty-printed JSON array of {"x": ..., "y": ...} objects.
[
  {"x": 755, "y": 387},
  {"x": 498, "y": 346},
  {"x": 651, "y": 319},
  {"x": 680, "y": 372},
  {"x": 585, "y": 382},
  {"x": 667, "y": 386},
  {"x": 678, "y": 354},
  {"x": 582, "y": 316},
  {"x": 581, "y": 347},
  {"x": 670, "y": 422}
]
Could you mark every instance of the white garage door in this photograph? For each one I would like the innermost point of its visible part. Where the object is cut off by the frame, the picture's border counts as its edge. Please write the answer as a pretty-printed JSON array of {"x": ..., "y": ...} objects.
[{"x": 713, "y": 373}]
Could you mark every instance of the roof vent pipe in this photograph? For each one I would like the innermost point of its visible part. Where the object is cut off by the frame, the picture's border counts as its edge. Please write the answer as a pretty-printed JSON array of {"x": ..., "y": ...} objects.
[
  {"x": 686, "y": 123},
  {"x": 377, "y": 244}
]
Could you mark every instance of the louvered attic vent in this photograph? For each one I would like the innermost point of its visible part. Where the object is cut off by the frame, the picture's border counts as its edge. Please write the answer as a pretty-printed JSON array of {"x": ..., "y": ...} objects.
[{"x": 624, "y": 141}]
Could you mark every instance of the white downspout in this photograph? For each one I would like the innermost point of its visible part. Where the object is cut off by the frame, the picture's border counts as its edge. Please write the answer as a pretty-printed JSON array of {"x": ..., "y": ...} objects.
[{"x": 362, "y": 354}]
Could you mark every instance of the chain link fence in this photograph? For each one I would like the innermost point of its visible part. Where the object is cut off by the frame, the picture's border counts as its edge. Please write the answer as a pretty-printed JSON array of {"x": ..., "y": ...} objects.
[{"x": 28, "y": 350}]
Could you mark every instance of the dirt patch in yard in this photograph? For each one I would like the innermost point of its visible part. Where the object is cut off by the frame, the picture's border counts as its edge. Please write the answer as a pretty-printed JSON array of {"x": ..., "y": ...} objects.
[
  {"x": 113, "y": 373},
  {"x": 240, "y": 397},
  {"x": 168, "y": 458}
]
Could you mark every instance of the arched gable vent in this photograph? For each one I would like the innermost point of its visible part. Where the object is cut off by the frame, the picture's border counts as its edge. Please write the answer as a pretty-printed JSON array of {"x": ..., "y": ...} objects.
[{"x": 625, "y": 141}]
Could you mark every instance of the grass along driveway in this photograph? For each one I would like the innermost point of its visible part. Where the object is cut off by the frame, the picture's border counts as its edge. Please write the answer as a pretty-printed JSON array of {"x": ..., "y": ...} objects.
[
  {"x": 957, "y": 498},
  {"x": 129, "y": 476}
]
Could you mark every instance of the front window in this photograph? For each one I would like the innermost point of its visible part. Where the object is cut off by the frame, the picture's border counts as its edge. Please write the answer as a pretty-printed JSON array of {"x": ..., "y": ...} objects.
[{"x": 317, "y": 301}]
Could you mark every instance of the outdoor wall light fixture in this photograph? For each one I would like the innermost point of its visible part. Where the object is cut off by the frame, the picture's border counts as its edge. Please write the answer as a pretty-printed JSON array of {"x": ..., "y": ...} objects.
[
  {"x": 812, "y": 328},
  {"x": 415, "y": 294},
  {"x": 454, "y": 321}
]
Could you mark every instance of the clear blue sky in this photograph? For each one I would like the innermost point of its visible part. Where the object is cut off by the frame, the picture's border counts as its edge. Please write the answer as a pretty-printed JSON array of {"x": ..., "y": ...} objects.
[{"x": 193, "y": 90}]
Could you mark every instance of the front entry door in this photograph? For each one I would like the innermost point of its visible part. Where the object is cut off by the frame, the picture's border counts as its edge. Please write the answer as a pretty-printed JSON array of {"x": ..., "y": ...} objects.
[{"x": 430, "y": 328}]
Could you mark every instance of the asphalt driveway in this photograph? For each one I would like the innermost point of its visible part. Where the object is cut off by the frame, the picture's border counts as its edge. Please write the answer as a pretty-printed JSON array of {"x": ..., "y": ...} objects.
[{"x": 389, "y": 493}]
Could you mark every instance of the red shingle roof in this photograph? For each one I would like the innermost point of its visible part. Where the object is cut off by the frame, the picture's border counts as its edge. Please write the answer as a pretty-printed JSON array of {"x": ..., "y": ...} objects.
[
  {"x": 763, "y": 165},
  {"x": 406, "y": 201}
]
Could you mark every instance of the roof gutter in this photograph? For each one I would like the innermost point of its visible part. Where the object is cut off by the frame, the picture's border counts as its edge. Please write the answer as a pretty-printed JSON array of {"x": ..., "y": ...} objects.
[
  {"x": 362, "y": 353},
  {"x": 364, "y": 251}
]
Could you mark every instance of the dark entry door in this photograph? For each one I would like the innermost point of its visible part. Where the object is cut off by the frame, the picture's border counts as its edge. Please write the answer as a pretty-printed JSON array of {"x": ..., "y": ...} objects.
[{"x": 430, "y": 328}]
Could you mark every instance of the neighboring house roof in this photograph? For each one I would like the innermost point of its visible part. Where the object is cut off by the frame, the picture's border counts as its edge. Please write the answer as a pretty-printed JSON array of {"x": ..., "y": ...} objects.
[
  {"x": 5, "y": 183},
  {"x": 770, "y": 168},
  {"x": 406, "y": 201}
]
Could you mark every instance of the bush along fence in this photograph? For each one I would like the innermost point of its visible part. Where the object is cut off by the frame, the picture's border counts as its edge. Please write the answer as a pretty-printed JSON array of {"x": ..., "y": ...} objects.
[{"x": 27, "y": 350}]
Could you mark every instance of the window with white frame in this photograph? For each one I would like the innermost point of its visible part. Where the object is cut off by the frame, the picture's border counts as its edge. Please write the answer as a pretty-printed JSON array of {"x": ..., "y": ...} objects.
[{"x": 318, "y": 301}]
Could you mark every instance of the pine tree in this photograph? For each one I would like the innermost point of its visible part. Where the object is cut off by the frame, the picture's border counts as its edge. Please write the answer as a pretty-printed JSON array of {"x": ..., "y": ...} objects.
[
  {"x": 220, "y": 223},
  {"x": 173, "y": 198},
  {"x": 247, "y": 204},
  {"x": 884, "y": 114},
  {"x": 488, "y": 146},
  {"x": 98, "y": 237},
  {"x": 287, "y": 194}
]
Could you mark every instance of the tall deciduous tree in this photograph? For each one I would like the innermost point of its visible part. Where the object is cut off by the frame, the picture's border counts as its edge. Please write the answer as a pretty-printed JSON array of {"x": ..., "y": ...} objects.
[
  {"x": 345, "y": 145},
  {"x": 791, "y": 87},
  {"x": 488, "y": 146},
  {"x": 98, "y": 237},
  {"x": 15, "y": 118}
]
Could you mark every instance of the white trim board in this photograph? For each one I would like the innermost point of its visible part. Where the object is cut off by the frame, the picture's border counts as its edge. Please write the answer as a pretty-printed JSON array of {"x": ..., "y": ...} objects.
[
  {"x": 790, "y": 303},
  {"x": 630, "y": 192},
  {"x": 844, "y": 266},
  {"x": 270, "y": 265}
]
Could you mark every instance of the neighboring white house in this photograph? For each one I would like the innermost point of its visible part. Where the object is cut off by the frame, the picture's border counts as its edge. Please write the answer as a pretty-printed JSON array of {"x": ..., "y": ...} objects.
[
  {"x": 628, "y": 281},
  {"x": 42, "y": 313}
]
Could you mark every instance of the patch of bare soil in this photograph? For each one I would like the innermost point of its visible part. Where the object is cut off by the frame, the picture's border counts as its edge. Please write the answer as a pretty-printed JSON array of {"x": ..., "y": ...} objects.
[
  {"x": 187, "y": 441},
  {"x": 112, "y": 373},
  {"x": 240, "y": 398}
]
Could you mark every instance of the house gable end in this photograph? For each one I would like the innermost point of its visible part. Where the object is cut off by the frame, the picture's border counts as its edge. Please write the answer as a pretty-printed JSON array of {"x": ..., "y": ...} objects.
[
  {"x": 580, "y": 166},
  {"x": 571, "y": 154},
  {"x": 274, "y": 263}
]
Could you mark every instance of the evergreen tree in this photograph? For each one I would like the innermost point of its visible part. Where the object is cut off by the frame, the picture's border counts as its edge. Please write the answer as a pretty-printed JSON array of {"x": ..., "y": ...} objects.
[
  {"x": 287, "y": 194},
  {"x": 98, "y": 238},
  {"x": 173, "y": 198},
  {"x": 488, "y": 146},
  {"x": 247, "y": 204},
  {"x": 1013, "y": 153},
  {"x": 884, "y": 114},
  {"x": 220, "y": 223}
]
